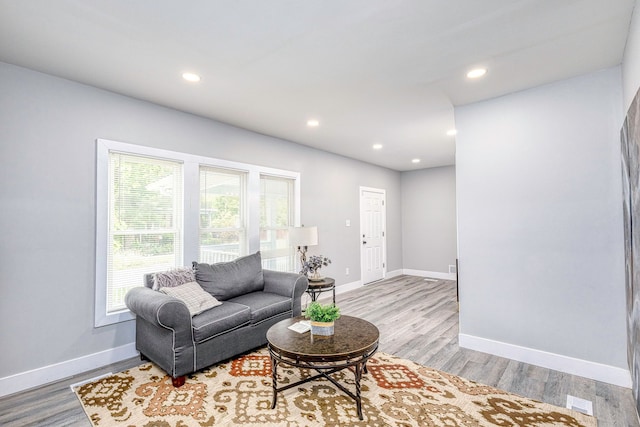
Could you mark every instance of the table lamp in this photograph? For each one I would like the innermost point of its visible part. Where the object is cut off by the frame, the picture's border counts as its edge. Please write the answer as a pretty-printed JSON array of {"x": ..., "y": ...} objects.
[{"x": 303, "y": 237}]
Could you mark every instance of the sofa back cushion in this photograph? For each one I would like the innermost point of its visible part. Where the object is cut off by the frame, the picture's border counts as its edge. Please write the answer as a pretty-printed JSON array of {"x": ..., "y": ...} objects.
[{"x": 226, "y": 280}]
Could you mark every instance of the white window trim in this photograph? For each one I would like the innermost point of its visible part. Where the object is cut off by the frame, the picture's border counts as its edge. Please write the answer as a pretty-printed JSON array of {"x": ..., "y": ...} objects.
[{"x": 190, "y": 226}]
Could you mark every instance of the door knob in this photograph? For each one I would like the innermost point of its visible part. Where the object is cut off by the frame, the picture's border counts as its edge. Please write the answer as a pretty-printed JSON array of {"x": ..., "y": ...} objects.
[{"x": 364, "y": 242}]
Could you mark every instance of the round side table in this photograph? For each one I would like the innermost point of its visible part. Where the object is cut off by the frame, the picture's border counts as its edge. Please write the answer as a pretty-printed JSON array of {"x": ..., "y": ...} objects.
[{"x": 325, "y": 285}]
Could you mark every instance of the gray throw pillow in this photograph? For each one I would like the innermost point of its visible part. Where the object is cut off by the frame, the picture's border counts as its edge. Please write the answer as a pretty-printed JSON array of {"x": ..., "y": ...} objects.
[
  {"x": 225, "y": 280},
  {"x": 175, "y": 277}
]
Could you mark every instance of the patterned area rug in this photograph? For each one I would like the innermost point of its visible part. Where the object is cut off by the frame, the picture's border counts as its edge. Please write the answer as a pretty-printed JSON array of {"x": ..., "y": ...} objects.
[{"x": 396, "y": 392}]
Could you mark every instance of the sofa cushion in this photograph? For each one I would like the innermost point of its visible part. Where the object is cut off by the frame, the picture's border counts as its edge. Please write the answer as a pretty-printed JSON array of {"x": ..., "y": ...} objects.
[
  {"x": 225, "y": 280},
  {"x": 196, "y": 299},
  {"x": 263, "y": 305},
  {"x": 218, "y": 320}
]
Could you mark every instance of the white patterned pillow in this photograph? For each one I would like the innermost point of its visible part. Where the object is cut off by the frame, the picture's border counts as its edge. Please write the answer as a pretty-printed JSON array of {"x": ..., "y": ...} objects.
[
  {"x": 192, "y": 294},
  {"x": 171, "y": 278}
]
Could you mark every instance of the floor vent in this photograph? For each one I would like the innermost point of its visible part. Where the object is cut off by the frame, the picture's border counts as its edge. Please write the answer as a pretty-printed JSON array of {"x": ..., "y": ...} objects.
[
  {"x": 430, "y": 280},
  {"x": 579, "y": 405}
]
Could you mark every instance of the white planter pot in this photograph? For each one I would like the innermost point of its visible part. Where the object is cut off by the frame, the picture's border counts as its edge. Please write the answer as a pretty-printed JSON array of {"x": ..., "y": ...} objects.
[{"x": 322, "y": 328}]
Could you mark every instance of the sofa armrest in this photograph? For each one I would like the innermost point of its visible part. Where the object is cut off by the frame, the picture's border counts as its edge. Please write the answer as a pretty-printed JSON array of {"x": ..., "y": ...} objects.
[
  {"x": 159, "y": 309},
  {"x": 290, "y": 285}
]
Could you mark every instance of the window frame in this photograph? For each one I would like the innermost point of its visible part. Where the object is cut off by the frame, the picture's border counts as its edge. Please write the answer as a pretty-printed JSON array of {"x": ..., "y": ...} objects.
[{"x": 190, "y": 205}]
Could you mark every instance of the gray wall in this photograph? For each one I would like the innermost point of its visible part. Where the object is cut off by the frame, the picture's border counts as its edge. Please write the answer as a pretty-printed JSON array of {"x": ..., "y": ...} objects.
[
  {"x": 631, "y": 62},
  {"x": 47, "y": 197},
  {"x": 429, "y": 219},
  {"x": 630, "y": 85},
  {"x": 540, "y": 219}
]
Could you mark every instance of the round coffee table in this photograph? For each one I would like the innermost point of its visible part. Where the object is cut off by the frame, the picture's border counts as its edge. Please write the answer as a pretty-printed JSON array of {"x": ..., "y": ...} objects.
[{"x": 353, "y": 343}]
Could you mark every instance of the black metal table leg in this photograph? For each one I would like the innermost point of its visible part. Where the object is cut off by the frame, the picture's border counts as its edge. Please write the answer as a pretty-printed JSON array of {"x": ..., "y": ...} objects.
[
  {"x": 358, "y": 391},
  {"x": 274, "y": 380}
]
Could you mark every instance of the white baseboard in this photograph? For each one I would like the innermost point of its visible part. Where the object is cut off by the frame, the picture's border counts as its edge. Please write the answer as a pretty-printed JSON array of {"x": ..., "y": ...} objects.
[
  {"x": 351, "y": 286},
  {"x": 583, "y": 368},
  {"x": 433, "y": 274},
  {"x": 347, "y": 287},
  {"x": 47, "y": 374},
  {"x": 394, "y": 273},
  {"x": 325, "y": 297}
]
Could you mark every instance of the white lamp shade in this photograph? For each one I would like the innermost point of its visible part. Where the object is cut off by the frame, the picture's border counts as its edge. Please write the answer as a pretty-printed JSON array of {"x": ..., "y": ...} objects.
[{"x": 303, "y": 236}]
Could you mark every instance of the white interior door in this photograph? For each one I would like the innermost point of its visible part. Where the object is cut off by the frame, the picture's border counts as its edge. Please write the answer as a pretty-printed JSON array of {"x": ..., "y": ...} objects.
[{"x": 372, "y": 234}]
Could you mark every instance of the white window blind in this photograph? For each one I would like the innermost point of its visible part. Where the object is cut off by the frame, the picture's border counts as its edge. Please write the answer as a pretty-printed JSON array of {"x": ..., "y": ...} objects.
[
  {"x": 277, "y": 213},
  {"x": 223, "y": 229},
  {"x": 145, "y": 220}
]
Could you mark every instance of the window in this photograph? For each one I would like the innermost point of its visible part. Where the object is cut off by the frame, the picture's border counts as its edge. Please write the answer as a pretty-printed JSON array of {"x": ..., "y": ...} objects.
[
  {"x": 145, "y": 216},
  {"x": 276, "y": 216},
  {"x": 159, "y": 209},
  {"x": 222, "y": 218}
]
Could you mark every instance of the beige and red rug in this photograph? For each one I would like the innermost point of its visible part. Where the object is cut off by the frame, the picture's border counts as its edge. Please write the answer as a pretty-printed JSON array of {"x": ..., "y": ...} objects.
[{"x": 396, "y": 392}]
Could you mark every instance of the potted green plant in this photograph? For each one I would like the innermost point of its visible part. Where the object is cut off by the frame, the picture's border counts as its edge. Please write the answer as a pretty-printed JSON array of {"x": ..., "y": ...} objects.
[{"x": 322, "y": 317}]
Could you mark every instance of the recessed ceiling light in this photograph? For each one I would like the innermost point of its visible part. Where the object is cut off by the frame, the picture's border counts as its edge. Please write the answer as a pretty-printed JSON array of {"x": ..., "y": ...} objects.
[
  {"x": 191, "y": 77},
  {"x": 477, "y": 72},
  {"x": 415, "y": 161},
  {"x": 313, "y": 123},
  {"x": 452, "y": 132},
  {"x": 377, "y": 146}
]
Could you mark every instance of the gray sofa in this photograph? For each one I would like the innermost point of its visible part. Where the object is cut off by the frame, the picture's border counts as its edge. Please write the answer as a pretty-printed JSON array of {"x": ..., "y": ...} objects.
[{"x": 252, "y": 300}]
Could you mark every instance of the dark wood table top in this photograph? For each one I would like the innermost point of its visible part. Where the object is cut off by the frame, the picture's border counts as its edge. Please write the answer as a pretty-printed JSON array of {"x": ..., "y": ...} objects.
[
  {"x": 353, "y": 337},
  {"x": 326, "y": 282}
]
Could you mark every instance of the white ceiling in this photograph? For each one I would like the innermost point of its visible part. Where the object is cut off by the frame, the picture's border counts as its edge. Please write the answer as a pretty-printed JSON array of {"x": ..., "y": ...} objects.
[{"x": 371, "y": 71}]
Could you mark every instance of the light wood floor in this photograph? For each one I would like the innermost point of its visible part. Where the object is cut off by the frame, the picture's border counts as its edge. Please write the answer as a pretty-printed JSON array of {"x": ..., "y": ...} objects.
[{"x": 418, "y": 320}]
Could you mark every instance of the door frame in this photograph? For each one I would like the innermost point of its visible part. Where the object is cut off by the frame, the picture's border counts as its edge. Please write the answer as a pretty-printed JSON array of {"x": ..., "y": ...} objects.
[{"x": 383, "y": 192}]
